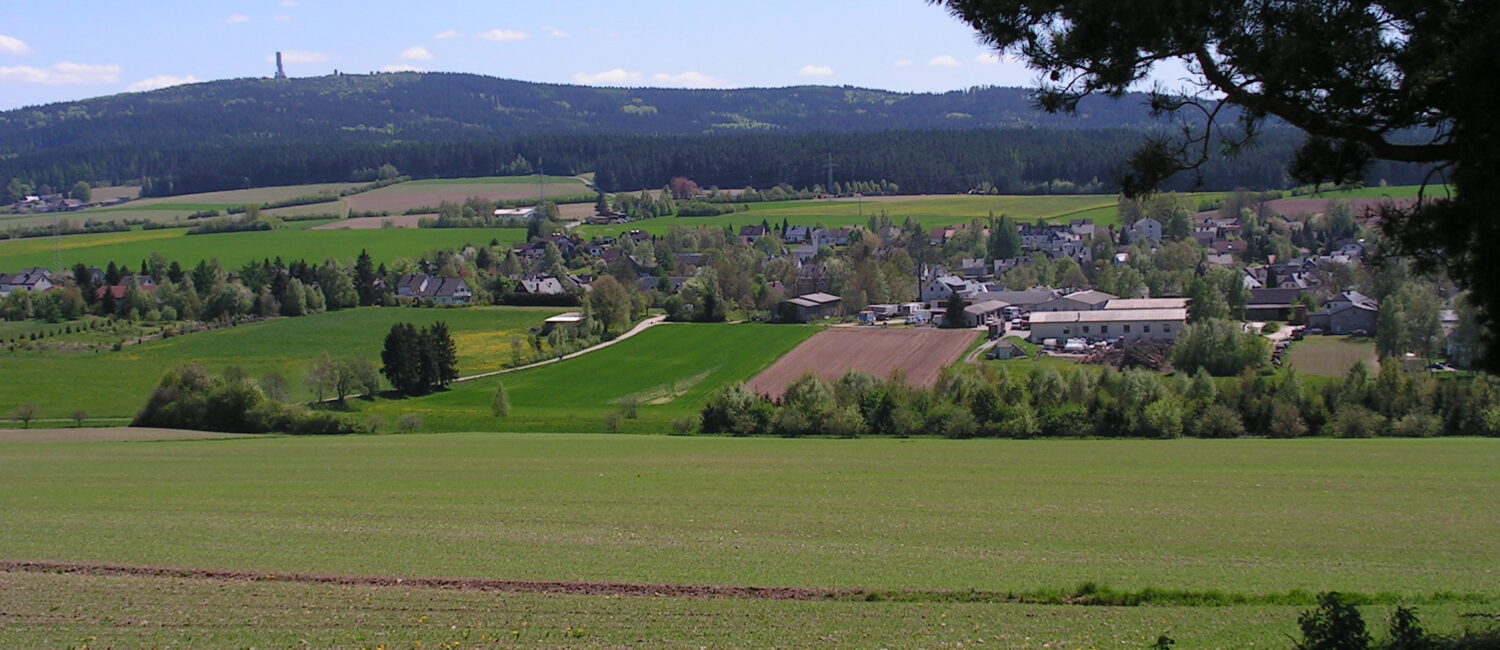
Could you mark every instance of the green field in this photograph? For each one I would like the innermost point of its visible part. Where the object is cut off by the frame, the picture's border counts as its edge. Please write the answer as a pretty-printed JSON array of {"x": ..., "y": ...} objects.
[
  {"x": 1251, "y": 518},
  {"x": 1331, "y": 356},
  {"x": 671, "y": 369},
  {"x": 115, "y": 384},
  {"x": 496, "y": 180},
  {"x": 930, "y": 211},
  {"x": 235, "y": 249}
]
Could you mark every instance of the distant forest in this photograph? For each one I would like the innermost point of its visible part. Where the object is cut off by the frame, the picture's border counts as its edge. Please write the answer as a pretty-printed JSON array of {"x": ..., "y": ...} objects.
[{"x": 257, "y": 132}]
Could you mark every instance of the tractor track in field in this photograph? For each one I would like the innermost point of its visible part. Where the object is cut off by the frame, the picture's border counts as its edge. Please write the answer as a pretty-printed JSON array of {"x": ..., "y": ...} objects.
[{"x": 461, "y": 584}]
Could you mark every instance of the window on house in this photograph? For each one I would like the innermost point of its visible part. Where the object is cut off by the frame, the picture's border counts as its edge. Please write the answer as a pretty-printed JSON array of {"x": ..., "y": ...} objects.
[
  {"x": 1146, "y": 328},
  {"x": 1066, "y": 331},
  {"x": 1127, "y": 329},
  {"x": 1166, "y": 327},
  {"x": 1103, "y": 329},
  {"x": 1085, "y": 329}
]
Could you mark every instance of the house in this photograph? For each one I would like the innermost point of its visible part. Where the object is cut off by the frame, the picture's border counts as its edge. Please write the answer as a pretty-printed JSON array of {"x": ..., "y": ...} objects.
[
  {"x": 541, "y": 285},
  {"x": 668, "y": 285},
  {"x": 572, "y": 321},
  {"x": 1271, "y": 304},
  {"x": 1076, "y": 301},
  {"x": 1026, "y": 300},
  {"x": 32, "y": 279},
  {"x": 809, "y": 307},
  {"x": 1109, "y": 324},
  {"x": 1234, "y": 247},
  {"x": 798, "y": 234},
  {"x": 942, "y": 286},
  {"x": 1146, "y": 303},
  {"x": 752, "y": 233},
  {"x": 443, "y": 291},
  {"x": 515, "y": 213},
  {"x": 1148, "y": 229},
  {"x": 980, "y": 313},
  {"x": 1348, "y": 313}
]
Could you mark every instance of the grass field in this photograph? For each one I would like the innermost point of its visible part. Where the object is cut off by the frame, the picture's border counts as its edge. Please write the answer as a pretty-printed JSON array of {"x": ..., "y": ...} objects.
[
  {"x": 115, "y": 384},
  {"x": 930, "y": 211},
  {"x": 235, "y": 249},
  {"x": 1254, "y": 518},
  {"x": 671, "y": 369},
  {"x": 1331, "y": 356}
]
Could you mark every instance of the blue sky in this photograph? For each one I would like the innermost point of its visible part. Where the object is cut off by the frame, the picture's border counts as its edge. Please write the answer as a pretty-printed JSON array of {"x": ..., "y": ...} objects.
[{"x": 71, "y": 49}]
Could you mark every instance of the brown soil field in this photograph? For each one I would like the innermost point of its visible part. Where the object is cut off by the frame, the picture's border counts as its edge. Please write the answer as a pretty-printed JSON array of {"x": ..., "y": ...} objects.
[
  {"x": 407, "y": 196},
  {"x": 251, "y": 196},
  {"x": 374, "y": 223},
  {"x": 1292, "y": 207},
  {"x": 106, "y": 434},
  {"x": 919, "y": 353},
  {"x": 106, "y": 193}
]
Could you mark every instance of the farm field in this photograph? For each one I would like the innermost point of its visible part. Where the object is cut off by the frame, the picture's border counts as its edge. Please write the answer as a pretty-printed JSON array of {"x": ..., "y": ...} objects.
[
  {"x": 116, "y": 384},
  {"x": 921, "y": 354},
  {"x": 1244, "y": 518},
  {"x": 930, "y": 211},
  {"x": 411, "y": 195},
  {"x": 235, "y": 249},
  {"x": 670, "y": 369},
  {"x": 1331, "y": 356}
]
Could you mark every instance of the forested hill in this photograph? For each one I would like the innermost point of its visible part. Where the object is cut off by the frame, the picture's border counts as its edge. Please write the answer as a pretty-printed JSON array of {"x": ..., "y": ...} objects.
[{"x": 449, "y": 106}]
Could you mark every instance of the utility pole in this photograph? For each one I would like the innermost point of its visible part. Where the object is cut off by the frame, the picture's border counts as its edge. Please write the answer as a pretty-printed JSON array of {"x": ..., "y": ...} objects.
[{"x": 829, "y": 187}]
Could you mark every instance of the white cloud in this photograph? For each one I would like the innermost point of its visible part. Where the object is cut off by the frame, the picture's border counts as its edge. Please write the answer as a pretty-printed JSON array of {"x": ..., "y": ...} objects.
[
  {"x": 988, "y": 58},
  {"x": 815, "y": 71},
  {"x": 13, "y": 45},
  {"x": 403, "y": 68},
  {"x": 943, "y": 61},
  {"x": 299, "y": 56},
  {"x": 281, "y": 18},
  {"x": 615, "y": 77},
  {"x": 501, "y": 35},
  {"x": 237, "y": 18},
  {"x": 416, "y": 53},
  {"x": 447, "y": 34},
  {"x": 903, "y": 63},
  {"x": 555, "y": 32},
  {"x": 62, "y": 74},
  {"x": 158, "y": 82},
  {"x": 689, "y": 79}
]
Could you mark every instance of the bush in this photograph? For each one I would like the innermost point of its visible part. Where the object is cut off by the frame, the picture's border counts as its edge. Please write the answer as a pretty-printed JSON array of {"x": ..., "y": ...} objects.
[
  {"x": 1354, "y": 421},
  {"x": 1217, "y": 421},
  {"x": 190, "y": 398},
  {"x": 1221, "y": 346},
  {"x": 1417, "y": 425},
  {"x": 684, "y": 426},
  {"x": 408, "y": 422},
  {"x": 1270, "y": 328}
]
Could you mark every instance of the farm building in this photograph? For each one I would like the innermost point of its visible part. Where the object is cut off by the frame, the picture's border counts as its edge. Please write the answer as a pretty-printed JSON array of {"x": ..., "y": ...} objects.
[
  {"x": 1147, "y": 303},
  {"x": 1027, "y": 299},
  {"x": 1348, "y": 313},
  {"x": 1271, "y": 304},
  {"x": 568, "y": 321},
  {"x": 809, "y": 307},
  {"x": 33, "y": 279},
  {"x": 1128, "y": 324},
  {"x": 980, "y": 312},
  {"x": 443, "y": 291},
  {"x": 515, "y": 213},
  {"x": 1077, "y": 301}
]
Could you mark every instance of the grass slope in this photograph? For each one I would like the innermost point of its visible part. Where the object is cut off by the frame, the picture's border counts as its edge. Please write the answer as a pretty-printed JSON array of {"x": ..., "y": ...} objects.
[
  {"x": 235, "y": 249},
  {"x": 115, "y": 384},
  {"x": 675, "y": 365}
]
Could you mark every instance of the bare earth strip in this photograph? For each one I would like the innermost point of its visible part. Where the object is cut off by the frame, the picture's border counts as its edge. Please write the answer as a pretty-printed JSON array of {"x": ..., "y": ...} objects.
[
  {"x": 920, "y": 354},
  {"x": 107, "y": 434},
  {"x": 467, "y": 584}
]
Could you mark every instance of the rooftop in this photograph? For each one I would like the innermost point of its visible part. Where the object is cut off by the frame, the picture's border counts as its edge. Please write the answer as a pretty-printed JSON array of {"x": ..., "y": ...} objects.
[{"x": 1110, "y": 316}]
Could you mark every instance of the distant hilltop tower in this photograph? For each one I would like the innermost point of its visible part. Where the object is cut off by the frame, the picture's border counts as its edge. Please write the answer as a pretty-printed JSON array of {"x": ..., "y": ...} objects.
[{"x": 280, "y": 71}]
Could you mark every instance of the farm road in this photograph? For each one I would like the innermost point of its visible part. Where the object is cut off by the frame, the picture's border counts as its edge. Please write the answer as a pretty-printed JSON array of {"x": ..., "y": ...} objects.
[{"x": 639, "y": 327}]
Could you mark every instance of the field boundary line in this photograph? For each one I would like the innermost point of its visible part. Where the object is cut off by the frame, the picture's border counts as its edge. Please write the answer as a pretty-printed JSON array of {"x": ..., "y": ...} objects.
[{"x": 639, "y": 327}]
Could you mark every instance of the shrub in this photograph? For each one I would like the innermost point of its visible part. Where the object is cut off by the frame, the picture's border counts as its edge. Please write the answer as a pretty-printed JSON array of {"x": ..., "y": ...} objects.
[
  {"x": 684, "y": 426},
  {"x": 1270, "y": 328},
  {"x": 612, "y": 422},
  {"x": 1417, "y": 425},
  {"x": 1217, "y": 421},
  {"x": 189, "y": 398},
  {"x": 1355, "y": 421},
  {"x": 408, "y": 422}
]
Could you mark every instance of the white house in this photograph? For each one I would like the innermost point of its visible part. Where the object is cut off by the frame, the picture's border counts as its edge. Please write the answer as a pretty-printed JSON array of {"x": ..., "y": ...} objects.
[
  {"x": 1148, "y": 229},
  {"x": 515, "y": 213},
  {"x": 1108, "y": 324}
]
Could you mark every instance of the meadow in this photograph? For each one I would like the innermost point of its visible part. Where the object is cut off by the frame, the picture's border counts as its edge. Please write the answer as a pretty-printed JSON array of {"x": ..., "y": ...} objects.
[
  {"x": 669, "y": 369},
  {"x": 1331, "y": 356},
  {"x": 235, "y": 249},
  {"x": 917, "y": 520},
  {"x": 930, "y": 211},
  {"x": 115, "y": 384}
]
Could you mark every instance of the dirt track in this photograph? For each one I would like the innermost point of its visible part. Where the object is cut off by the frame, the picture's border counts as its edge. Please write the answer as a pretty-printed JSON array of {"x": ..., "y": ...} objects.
[
  {"x": 919, "y": 353},
  {"x": 467, "y": 584},
  {"x": 107, "y": 434}
]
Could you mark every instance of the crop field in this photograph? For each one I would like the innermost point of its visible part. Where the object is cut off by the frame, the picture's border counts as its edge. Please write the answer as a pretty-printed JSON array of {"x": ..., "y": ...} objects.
[
  {"x": 669, "y": 369},
  {"x": 115, "y": 384},
  {"x": 411, "y": 195},
  {"x": 1331, "y": 356},
  {"x": 930, "y": 211},
  {"x": 1243, "y": 531},
  {"x": 920, "y": 354},
  {"x": 235, "y": 249}
]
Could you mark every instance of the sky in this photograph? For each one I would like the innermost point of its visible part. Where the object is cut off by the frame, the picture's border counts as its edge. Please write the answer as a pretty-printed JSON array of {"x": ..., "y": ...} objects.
[{"x": 61, "y": 50}]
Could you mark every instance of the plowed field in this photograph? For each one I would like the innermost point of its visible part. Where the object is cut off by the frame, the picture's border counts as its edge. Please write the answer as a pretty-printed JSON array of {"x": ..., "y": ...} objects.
[{"x": 920, "y": 354}]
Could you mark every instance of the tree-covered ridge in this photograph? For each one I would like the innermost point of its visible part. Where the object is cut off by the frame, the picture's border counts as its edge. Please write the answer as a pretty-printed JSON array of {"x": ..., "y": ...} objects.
[{"x": 447, "y": 106}]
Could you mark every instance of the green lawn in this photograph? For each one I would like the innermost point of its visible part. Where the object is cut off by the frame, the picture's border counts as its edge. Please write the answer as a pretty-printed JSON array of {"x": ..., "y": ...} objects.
[
  {"x": 1331, "y": 356},
  {"x": 235, "y": 249},
  {"x": 1394, "y": 192},
  {"x": 115, "y": 384},
  {"x": 930, "y": 211},
  {"x": 670, "y": 368},
  {"x": 1410, "y": 518},
  {"x": 496, "y": 180}
]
